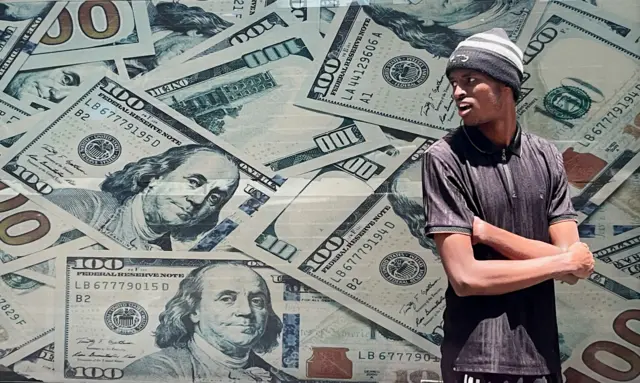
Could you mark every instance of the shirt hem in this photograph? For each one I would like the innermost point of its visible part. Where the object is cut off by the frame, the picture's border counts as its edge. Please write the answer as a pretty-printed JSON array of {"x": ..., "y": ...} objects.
[
  {"x": 538, "y": 371},
  {"x": 562, "y": 218},
  {"x": 448, "y": 229}
]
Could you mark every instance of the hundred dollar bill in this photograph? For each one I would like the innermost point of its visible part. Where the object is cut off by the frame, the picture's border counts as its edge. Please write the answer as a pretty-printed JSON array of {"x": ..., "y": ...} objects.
[
  {"x": 590, "y": 117},
  {"x": 621, "y": 251},
  {"x": 245, "y": 95},
  {"x": 385, "y": 63},
  {"x": 130, "y": 172},
  {"x": 27, "y": 229},
  {"x": 127, "y": 313},
  {"x": 628, "y": 29},
  {"x": 255, "y": 26},
  {"x": 181, "y": 26},
  {"x": 26, "y": 300},
  {"x": 607, "y": 357},
  {"x": 22, "y": 25},
  {"x": 94, "y": 30},
  {"x": 366, "y": 248},
  {"x": 376, "y": 353}
]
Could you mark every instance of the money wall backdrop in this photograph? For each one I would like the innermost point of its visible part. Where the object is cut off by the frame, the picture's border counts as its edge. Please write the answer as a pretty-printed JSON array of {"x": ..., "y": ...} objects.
[{"x": 173, "y": 164}]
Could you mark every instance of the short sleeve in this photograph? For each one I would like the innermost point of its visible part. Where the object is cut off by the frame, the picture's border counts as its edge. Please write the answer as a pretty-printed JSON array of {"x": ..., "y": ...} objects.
[
  {"x": 444, "y": 204},
  {"x": 560, "y": 206}
]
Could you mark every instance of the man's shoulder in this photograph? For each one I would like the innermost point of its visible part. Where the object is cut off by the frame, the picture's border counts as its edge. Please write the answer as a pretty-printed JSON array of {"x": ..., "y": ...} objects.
[
  {"x": 448, "y": 148},
  {"x": 538, "y": 142}
]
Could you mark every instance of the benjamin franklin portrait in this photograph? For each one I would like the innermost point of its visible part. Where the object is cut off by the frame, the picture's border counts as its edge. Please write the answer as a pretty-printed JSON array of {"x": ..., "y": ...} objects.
[
  {"x": 159, "y": 200},
  {"x": 438, "y": 26},
  {"x": 213, "y": 329},
  {"x": 176, "y": 28}
]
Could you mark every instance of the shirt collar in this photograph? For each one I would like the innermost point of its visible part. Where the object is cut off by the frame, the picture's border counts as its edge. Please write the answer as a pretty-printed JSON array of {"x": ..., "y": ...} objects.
[{"x": 480, "y": 142}]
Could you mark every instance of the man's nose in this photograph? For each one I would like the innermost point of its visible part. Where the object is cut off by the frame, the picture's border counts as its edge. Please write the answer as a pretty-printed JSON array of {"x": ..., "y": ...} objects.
[
  {"x": 197, "y": 197},
  {"x": 243, "y": 307},
  {"x": 56, "y": 95},
  {"x": 458, "y": 92}
]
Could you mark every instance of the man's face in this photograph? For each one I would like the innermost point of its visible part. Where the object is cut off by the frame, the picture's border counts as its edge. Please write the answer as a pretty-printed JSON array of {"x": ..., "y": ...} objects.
[
  {"x": 444, "y": 12},
  {"x": 175, "y": 44},
  {"x": 53, "y": 84},
  {"x": 477, "y": 96},
  {"x": 18, "y": 11},
  {"x": 190, "y": 193},
  {"x": 233, "y": 310}
]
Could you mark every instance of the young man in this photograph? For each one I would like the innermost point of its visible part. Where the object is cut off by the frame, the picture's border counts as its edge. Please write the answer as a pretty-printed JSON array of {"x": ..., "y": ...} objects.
[{"x": 497, "y": 204}]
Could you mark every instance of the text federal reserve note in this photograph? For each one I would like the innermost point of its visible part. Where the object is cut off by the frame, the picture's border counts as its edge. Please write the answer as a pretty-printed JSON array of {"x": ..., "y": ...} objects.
[
  {"x": 94, "y": 30},
  {"x": 245, "y": 95},
  {"x": 144, "y": 316},
  {"x": 590, "y": 117},
  {"x": 385, "y": 64},
  {"x": 621, "y": 251},
  {"x": 22, "y": 25},
  {"x": 130, "y": 172}
]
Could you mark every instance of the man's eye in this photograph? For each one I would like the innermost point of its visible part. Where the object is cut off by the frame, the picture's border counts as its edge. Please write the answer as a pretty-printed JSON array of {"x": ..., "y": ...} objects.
[
  {"x": 258, "y": 302},
  {"x": 194, "y": 182},
  {"x": 227, "y": 299}
]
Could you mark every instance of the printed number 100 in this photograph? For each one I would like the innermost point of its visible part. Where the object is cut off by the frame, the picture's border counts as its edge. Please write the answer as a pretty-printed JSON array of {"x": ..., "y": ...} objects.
[{"x": 338, "y": 139}]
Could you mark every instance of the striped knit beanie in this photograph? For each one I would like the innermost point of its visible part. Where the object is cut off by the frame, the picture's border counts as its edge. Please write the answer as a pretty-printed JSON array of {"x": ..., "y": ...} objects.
[{"x": 492, "y": 53}]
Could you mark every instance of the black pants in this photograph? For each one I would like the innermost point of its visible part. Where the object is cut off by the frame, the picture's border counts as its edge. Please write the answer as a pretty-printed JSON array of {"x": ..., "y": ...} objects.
[{"x": 479, "y": 377}]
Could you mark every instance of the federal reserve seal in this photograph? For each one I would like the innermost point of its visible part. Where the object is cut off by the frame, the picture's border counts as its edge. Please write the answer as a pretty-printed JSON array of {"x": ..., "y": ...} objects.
[
  {"x": 567, "y": 102},
  {"x": 405, "y": 72},
  {"x": 403, "y": 268},
  {"x": 126, "y": 318},
  {"x": 99, "y": 149}
]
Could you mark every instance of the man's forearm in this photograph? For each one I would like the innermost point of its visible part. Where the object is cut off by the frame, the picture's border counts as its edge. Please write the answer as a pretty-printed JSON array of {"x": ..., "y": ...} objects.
[
  {"x": 516, "y": 247},
  {"x": 504, "y": 276}
]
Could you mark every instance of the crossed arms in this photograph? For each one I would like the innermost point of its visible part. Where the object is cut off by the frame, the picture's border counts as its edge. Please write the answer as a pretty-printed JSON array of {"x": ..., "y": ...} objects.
[{"x": 530, "y": 261}]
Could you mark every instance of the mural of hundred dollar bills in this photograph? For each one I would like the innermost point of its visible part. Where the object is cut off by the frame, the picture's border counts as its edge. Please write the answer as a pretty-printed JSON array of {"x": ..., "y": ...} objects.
[{"x": 182, "y": 182}]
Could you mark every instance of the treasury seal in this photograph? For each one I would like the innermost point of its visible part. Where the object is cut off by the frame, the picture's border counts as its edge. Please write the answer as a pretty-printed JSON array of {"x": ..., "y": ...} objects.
[
  {"x": 405, "y": 72},
  {"x": 567, "y": 102},
  {"x": 126, "y": 318},
  {"x": 403, "y": 268},
  {"x": 99, "y": 149}
]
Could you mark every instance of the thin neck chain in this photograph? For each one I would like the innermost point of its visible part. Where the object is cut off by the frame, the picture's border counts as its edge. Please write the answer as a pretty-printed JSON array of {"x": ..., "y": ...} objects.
[{"x": 464, "y": 129}]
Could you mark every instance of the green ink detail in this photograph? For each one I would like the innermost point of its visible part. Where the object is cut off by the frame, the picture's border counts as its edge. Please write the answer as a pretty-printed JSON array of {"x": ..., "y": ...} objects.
[
  {"x": 18, "y": 282},
  {"x": 567, "y": 102}
]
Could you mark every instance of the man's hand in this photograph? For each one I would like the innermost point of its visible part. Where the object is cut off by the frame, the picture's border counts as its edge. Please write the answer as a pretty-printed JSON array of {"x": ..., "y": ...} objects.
[
  {"x": 479, "y": 231},
  {"x": 568, "y": 279},
  {"x": 582, "y": 259}
]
